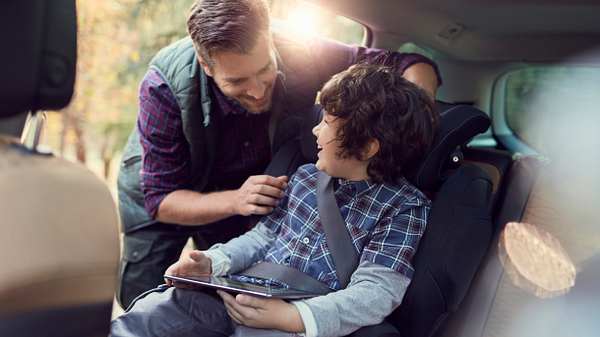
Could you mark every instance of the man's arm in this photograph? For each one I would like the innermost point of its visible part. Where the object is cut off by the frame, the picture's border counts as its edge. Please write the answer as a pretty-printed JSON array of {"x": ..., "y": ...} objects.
[
  {"x": 258, "y": 195},
  {"x": 238, "y": 253},
  {"x": 165, "y": 172},
  {"x": 423, "y": 75},
  {"x": 332, "y": 57}
]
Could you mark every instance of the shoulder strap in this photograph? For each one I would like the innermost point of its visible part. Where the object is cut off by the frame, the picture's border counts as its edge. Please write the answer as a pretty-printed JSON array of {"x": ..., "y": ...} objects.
[{"x": 339, "y": 241}]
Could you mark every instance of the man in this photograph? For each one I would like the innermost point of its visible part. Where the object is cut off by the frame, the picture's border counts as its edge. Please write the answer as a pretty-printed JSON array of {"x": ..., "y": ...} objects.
[{"x": 214, "y": 107}]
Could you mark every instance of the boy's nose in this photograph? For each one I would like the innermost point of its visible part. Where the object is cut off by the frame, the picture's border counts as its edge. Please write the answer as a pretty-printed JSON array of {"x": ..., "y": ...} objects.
[{"x": 315, "y": 130}]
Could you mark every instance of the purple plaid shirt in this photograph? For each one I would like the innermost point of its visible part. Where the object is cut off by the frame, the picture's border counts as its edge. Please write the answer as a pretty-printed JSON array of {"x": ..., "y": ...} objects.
[
  {"x": 385, "y": 222},
  {"x": 243, "y": 141}
]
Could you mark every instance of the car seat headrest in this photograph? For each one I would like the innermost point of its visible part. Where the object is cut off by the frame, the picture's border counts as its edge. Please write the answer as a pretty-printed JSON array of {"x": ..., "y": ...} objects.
[
  {"x": 37, "y": 70},
  {"x": 458, "y": 125}
]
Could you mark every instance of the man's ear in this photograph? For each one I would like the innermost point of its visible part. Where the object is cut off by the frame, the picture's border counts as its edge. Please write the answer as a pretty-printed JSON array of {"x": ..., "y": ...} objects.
[
  {"x": 205, "y": 66},
  {"x": 371, "y": 149}
]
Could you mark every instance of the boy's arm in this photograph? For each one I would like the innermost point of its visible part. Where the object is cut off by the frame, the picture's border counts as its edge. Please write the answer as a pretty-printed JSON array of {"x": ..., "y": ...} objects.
[
  {"x": 241, "y": 252},
  {"x": 373, "y": 293}
]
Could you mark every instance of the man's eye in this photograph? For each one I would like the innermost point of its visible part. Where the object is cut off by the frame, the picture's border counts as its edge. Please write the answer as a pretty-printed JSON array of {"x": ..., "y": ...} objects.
[{"x": 236, "y": 82}]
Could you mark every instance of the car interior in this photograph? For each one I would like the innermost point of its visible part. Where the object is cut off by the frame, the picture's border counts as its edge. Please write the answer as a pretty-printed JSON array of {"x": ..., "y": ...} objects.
[{"x": 61, "y": 239}]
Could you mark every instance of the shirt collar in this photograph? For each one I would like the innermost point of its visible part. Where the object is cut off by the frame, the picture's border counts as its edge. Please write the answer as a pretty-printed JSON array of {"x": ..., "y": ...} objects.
[{"x": 357, "y": 187}]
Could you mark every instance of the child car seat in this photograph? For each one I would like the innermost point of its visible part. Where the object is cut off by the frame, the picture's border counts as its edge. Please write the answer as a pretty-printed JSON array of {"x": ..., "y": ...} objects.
[{"x": 457, "y": 235}]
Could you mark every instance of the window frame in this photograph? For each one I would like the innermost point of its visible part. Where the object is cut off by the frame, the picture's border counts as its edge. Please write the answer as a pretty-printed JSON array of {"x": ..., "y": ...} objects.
[{"x": 500, "y": 128}]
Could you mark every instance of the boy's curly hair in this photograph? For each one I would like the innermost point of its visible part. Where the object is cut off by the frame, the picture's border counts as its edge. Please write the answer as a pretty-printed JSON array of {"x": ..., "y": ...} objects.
[{"x": 375, "y": 102}]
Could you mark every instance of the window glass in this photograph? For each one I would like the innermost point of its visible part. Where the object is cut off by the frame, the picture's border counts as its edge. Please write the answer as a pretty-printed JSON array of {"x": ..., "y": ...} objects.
[
  {"x": 305, "y": 20},
  {"x": 536, "y": 97}
]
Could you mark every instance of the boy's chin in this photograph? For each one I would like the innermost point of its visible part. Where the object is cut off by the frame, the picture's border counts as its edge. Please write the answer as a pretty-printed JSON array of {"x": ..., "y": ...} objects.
[{"x": 320, "y": 167}]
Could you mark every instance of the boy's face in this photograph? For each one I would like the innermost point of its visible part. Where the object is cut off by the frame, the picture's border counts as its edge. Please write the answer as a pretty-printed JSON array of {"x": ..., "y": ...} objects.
[{"x": 329, "y": 148}]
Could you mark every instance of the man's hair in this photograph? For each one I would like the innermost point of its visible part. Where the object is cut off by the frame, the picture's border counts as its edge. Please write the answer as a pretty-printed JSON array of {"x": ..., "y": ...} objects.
[
  {"x": 227, "y": 25},
  {"x": 375, "y": 102}
]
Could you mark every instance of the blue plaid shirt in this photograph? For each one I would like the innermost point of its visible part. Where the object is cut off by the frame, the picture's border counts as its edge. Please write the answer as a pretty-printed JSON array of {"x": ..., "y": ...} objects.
[{"x": 385, "y": 222}]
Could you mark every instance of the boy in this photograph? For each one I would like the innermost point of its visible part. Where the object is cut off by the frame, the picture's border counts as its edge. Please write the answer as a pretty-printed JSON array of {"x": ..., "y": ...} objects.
[{"x": 375, "y": 125}]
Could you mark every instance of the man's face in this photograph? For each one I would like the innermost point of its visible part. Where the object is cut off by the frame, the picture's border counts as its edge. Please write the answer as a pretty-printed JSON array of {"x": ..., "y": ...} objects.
[{"x": 247, "y": 78}]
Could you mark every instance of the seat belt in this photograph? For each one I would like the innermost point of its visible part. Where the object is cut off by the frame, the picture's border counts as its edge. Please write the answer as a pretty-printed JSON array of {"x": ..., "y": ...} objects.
[
  {"x": 288, "y": 275},
  {"x": 339, "y": 241}
]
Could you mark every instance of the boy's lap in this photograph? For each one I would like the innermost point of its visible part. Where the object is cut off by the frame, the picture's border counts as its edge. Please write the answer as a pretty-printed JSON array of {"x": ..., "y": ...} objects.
[{"x": 175, "y": 312}]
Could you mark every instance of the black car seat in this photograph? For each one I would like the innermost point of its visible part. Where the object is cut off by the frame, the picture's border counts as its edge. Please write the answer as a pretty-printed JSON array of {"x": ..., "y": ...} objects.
[
  {"x": 535, "y": 192},
  {"x": 59, "y": 224},
  {"x": 458, "y": 233}
]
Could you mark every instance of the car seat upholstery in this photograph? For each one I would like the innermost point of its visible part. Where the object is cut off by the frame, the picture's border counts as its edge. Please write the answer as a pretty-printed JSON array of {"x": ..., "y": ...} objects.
[
  {"x": 498, "y": 307},
  {"x": 59, "y": 222},
  {"x": 457, "y": 235}
]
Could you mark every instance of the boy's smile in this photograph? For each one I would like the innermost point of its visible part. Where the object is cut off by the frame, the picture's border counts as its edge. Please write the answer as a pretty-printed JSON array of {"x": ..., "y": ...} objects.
[{"x": 329, "y": 146}]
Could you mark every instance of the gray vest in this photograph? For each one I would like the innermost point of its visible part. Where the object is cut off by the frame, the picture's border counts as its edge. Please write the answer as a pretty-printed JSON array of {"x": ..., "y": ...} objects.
[{"x": 178, "y": 65}]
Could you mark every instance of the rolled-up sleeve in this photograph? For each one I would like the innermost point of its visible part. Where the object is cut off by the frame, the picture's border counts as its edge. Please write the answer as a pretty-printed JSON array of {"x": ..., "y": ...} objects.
[{"x": 165, "y": 155}]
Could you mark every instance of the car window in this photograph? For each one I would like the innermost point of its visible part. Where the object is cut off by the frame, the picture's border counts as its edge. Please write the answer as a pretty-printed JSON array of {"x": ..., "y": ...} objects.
[
  {"x": 530, "y": 97},
  {"x": 305, "y": 20}
]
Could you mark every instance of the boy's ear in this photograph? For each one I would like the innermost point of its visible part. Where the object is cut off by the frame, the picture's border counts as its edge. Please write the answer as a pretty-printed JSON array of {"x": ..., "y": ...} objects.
[{"x": 371, "y": 149}]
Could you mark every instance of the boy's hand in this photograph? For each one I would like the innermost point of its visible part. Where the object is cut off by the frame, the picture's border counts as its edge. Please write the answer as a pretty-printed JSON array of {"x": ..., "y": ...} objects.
[
  {"x": 192, "y": 263},
  {"x": 259, "y": 194},
  {"x": 262, "y": 313}
]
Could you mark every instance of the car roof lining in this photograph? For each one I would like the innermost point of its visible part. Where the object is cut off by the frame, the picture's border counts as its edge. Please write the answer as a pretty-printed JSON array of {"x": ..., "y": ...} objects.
[{"x": 491, "y": 30}]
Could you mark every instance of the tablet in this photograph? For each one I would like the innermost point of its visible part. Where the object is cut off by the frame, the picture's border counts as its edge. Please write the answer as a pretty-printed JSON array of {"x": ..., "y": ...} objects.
[{"x": 236, "y": 286}]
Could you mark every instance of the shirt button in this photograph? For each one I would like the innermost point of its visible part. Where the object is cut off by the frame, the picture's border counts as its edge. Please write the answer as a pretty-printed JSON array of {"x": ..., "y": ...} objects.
[{"x": 306, "y": 240}]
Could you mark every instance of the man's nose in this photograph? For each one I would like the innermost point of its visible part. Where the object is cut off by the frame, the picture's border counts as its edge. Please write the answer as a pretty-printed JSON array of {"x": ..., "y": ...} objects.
[{"x": 257, "y": 89}]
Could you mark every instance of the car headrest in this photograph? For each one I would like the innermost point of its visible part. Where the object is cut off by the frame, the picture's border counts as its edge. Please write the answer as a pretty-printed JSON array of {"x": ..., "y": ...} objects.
[
  {"x": 37, "y": 69},
  {"x": 458, "y": 125}
]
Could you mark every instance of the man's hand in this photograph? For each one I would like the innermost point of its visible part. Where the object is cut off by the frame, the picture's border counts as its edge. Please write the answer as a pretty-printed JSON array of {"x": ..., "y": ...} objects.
[
  {"x": 192, "y": 263},
  {"x": 259, "y": 194},
  {"x": 262, "y": 313}
]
